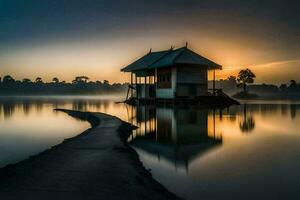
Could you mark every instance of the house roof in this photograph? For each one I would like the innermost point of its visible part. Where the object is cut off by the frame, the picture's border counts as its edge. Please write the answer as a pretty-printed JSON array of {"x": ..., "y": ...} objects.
[
  {"x": 170, "y": 57},
  {"x": 187, "y": 152},
  {"x": 145, "y": 61}
]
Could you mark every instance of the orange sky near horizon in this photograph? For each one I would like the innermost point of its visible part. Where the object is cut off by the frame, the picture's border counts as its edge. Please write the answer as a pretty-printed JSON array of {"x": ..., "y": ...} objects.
[{"x": 102, "y": 60}]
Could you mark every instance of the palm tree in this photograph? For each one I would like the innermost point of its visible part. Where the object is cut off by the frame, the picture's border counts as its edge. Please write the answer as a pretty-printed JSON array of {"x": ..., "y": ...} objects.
[{"x": 246, "y": 76}]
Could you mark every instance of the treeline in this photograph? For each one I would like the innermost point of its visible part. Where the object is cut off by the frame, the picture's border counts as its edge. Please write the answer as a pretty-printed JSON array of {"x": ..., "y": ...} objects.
[
  {"x": 284, "y": 90},
  {"x": 290, "y": 89},
  {"x": 80, "y": 85}
]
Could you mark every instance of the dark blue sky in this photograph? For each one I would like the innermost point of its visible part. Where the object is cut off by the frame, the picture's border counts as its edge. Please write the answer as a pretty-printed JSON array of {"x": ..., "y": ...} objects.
[{"x": 31, "y": 20}]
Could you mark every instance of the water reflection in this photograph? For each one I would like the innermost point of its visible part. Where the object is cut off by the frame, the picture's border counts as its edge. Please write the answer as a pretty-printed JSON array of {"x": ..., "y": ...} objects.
[
  {"x": 195, "y": 153},
  {"x": 8, "y": 105},
  {"x": 247, "y": 123},
  {"x": 175, "y": 136},
  {"x": 294, "y": 109},
  {"x": 29, "y": 126},
  {"x": 8, "y": 109}
]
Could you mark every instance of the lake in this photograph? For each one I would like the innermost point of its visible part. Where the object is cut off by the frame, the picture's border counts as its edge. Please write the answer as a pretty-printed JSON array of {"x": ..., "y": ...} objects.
[{"x": 249, "y": 151}]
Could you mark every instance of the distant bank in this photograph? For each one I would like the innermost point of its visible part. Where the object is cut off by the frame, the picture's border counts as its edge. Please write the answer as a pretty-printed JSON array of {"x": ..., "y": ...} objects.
[
  {"x": 97, "y": 164},
  {"x": 81, "y": 85}
]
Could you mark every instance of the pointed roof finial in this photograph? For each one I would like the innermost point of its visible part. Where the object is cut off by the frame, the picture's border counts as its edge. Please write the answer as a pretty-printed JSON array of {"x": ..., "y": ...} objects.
[{"x": 186, "y": 44}]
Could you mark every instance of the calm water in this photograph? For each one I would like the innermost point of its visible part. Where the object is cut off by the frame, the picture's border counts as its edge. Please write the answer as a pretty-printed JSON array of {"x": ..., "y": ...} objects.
[{"x": 249, "y": 151}]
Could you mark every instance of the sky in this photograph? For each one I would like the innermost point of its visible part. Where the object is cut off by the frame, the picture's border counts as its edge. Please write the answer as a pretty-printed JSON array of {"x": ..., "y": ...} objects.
[{"x": 96, "y": 38}]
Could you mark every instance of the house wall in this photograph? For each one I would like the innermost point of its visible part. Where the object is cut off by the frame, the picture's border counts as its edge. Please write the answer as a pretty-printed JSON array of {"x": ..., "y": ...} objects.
[
  {"x": 163, "y": 91},
  {"x": 191, "y": 81},
  {"x": 186, "y": 81}
]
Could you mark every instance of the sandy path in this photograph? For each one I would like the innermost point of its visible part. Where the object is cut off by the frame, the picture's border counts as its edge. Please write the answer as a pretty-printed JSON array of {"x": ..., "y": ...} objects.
[{"x": 97, "y": 164}]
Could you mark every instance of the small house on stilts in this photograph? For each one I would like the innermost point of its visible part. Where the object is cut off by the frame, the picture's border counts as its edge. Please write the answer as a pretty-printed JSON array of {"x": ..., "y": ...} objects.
[{"x": 174, "y": 76}]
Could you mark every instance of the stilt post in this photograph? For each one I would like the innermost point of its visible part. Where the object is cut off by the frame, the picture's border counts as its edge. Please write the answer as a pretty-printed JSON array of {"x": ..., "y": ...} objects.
[
  {"x": 214, "y": 82},
  {"x": 155, "y": 81},
  {"x": 145, "y": 86},
  {"x": 131, "y": 84},
  {"x": 136, "y": 87}
]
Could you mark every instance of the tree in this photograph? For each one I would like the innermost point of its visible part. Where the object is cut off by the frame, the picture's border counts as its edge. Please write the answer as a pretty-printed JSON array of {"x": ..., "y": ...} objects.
[
  {"x": 8, "y": 79},
  {"x": 293, "y": 84},
  {"x": 246, "y": 76},
  {"x": 26, "y": 80},
  {"x": 80, "y": 79},
  {"x": 106, "y": 82},
  {"x": 231, "y": 78},
  {"x": 39, "y": 80},
  {"x": 55, "y": 80},
  {"x": 283, "y": 87},
  {"x": 85, "y": 79}
]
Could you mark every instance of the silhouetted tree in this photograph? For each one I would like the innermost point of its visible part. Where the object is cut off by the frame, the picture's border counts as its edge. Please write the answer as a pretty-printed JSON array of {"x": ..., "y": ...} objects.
[
  {"x": 293, "y": 84},
  {"x": 39, "y": 80},
  {"x": 283, "y": 87},
  {"x": 26, "y": 80},
  {"x": 80, "y": 85},
  {"x": 85, "y": 78},
  {"x": 246, "y": 76},
  {"x": 80, "y": 79},
  {"x": 231, "y": 78},
  {"x": 106, "y": 82},
  {"x": 55, "y": 80},
  {"x": 8, "y": 79}
]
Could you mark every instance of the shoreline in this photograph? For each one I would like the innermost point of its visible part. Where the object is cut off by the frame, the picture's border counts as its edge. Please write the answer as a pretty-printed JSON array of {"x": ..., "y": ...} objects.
[{"x": 96, "y": 164}]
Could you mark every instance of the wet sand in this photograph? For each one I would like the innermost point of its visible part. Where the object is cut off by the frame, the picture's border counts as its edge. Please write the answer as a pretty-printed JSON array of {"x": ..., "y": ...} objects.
[{"x": 97, "y": 164}]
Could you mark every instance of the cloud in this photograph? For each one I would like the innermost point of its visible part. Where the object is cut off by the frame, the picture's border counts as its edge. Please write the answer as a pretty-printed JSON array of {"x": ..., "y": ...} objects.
[{"x": 277, "y": 63}]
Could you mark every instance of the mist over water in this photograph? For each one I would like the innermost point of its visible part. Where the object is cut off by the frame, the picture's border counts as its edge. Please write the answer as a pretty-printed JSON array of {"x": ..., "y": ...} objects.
[
  {"x": 29, "y": 125},
  {"x": 196, "y": 153}
]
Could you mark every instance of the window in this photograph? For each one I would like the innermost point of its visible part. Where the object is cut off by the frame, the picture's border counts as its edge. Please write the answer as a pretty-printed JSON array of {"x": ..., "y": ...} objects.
[{"x": 164, "y": 80}]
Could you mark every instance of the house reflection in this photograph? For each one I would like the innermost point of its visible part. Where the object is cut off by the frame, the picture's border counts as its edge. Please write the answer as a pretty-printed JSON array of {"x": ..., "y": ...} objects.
[{"x": 173, "y": 136}]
